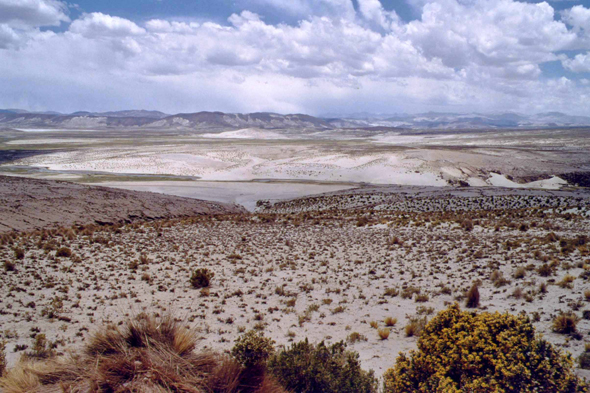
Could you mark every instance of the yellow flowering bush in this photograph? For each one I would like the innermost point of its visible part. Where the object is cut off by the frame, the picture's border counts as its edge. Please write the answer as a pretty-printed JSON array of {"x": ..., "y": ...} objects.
[{"x": 461, "y": 351}]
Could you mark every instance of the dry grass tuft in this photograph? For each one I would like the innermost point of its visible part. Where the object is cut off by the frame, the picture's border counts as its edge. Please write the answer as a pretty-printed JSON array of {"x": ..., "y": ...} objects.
[
  {"x": 383, "y": 333},
  {"x": 473, "y": 297},
  {"x": 145, "y": 354},
  {"x": 390, "y": 321}
]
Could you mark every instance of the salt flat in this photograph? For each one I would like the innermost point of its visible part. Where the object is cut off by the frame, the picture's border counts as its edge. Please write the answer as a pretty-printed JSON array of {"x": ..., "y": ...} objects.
[{"x": 354, "y": 161}]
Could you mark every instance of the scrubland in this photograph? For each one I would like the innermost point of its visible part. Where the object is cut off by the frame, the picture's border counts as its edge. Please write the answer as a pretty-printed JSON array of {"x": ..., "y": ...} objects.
[{"x": 367, "y": 269}]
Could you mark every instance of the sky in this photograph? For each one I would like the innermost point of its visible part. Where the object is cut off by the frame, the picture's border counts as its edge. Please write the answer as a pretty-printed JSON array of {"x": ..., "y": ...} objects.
[{"x": 296, "y": 56}]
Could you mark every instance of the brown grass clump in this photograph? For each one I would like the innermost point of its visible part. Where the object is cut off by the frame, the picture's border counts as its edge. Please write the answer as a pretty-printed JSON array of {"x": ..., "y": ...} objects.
[
  {"x": 63, "y": 252},
  {"x": 145, "y": 354},
  {"x": 565, "y": 323},
  {"x": 390, "y": 321},
  {"x": 383, "y": 333},
  {"x": 415, "y": 326},
  {"x": 472, "y": 297},
  {"x": 567, "y": 281}
]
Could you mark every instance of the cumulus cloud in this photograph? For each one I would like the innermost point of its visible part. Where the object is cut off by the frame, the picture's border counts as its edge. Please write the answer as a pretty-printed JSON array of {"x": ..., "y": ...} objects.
[
  {"x": 98, "y": 24},
  {"x": 26, "y": 13},
  {"x": 475, "y": 55},
  {"x": 580, "y": 63}
]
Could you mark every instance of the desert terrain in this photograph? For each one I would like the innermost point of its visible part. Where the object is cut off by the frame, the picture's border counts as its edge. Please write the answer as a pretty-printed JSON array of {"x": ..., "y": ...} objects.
[
  {"x": 331, "y": 267},
  {"x": 325, "y": 234}
]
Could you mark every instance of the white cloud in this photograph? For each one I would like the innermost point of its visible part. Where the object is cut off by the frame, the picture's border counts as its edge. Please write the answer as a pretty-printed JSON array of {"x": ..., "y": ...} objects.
[
  {"x": 578, "y": 17},
  {"x": 27, "y": 13},
  {"x": 580, "y": 63},
  {"x": 372, "y": 10},
  {"x": 98, "y": 24},
  {"x": 475, "y": 55}
]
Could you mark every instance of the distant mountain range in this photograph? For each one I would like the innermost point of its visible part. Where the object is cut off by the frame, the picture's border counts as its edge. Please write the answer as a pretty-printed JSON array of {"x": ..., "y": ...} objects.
[{"x": 211, "y": 121}]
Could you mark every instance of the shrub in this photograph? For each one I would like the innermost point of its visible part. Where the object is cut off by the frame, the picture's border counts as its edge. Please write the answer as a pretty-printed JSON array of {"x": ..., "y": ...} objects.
[
  {"x": 565, "y": 323},
  {"x": 467, "y": 352},
  {"x": 63, "y": 252},
  {"x": 374, "y": 324},
  {"x": 383, "y": 333},
  {"x": 201, "y": 278},
  {"x": 587, "y": 295},
  {"x": 252, "y": 349},
  {"x": 305, "y": 367},
  {"x": 472, "y": 297}
]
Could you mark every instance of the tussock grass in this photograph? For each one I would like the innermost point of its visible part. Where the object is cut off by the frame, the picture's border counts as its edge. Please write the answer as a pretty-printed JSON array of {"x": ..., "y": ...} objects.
[
  {"x": 145, "y": 354},
  {"x": 383, "y": 333}
]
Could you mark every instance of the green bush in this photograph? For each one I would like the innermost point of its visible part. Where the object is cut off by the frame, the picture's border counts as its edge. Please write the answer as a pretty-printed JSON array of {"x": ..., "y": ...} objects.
[
  {"x": 252, "y": 349},
  {"x": 467, "y": 352},
  {"x": 201, "y": 278},
  {"x": 305, "y": 367}
]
